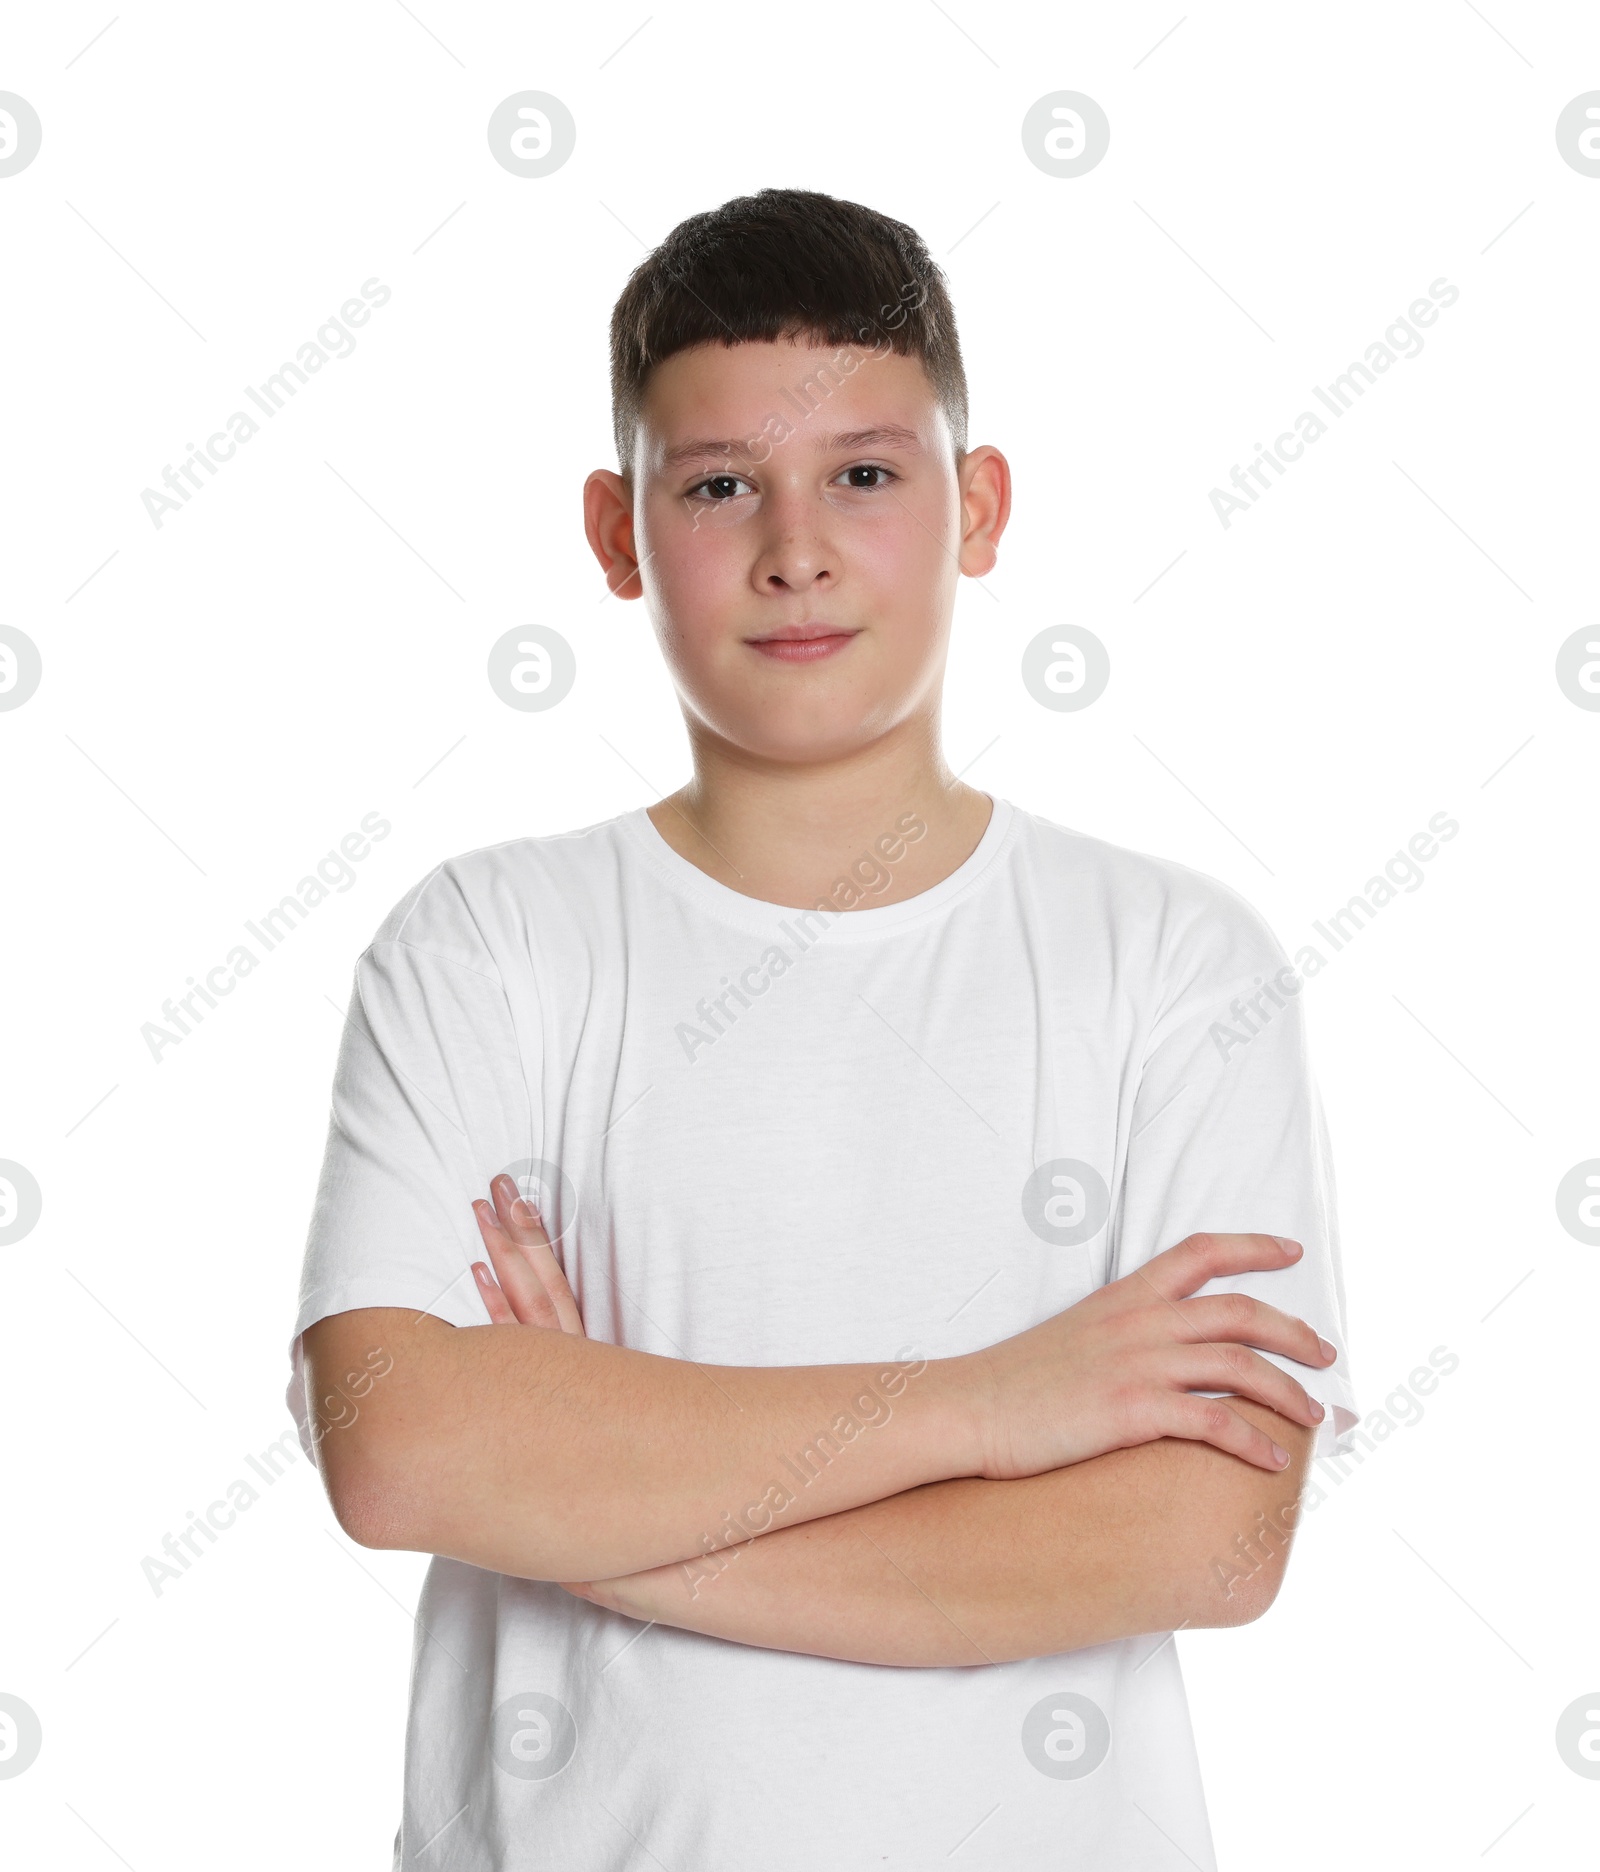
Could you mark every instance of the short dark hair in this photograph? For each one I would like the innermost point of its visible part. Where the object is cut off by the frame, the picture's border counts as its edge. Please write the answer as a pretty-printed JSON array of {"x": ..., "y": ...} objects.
[{"x": 785, "y": 263}]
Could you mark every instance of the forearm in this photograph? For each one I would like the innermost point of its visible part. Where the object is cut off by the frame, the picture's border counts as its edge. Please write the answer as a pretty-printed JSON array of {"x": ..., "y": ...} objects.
[
  {"x": 975, "y": 1571},
  {"x": 548, "y": 1456}
]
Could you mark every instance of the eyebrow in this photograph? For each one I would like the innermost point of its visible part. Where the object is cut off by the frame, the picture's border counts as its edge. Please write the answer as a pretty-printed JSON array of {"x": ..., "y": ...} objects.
[{"x": 886, "y": 435}]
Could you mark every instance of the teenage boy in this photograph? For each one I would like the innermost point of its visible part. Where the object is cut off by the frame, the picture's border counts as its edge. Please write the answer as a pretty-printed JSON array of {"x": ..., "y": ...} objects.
[{"x": 919, "y": 1315}]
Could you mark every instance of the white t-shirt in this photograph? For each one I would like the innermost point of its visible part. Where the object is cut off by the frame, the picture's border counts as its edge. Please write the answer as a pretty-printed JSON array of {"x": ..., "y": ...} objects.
[{"x": 778, "y": 1137}]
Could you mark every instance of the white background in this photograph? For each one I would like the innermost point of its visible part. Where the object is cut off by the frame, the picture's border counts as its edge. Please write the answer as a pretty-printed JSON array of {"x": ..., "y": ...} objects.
[{"x": 226, "y": 696}]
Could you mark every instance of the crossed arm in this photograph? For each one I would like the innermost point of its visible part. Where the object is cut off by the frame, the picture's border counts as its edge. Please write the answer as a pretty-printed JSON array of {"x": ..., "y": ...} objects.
[
  {"x": 979, "y": 1531},
  {"x": 973, "y": 1571}
]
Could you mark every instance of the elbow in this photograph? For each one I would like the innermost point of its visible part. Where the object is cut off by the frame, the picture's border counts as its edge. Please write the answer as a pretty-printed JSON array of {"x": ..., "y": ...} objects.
[
  {"x": 1237, "y": 1584},
  {"x": 398, "y": 1500},
  {"x": 1237, "y": 1600},
  {"x": 373, "y": 1518},
  {"x": 371, "y": 1500},
  {"x": 1237, "y": 1567}
]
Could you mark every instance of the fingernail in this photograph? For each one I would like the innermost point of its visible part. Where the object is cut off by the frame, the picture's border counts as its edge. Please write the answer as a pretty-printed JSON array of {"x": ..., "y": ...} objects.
[
  {"x": 1328, "y": 1352},
  {"x": 1290, "y": 1248},
  {"x": 1317, "y": 1411},
  {"x": 523, "y": 1211},
  {"x": 1279, "y": 1456}
]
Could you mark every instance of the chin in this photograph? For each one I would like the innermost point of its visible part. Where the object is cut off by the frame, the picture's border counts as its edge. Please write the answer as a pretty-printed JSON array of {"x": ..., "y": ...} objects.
[{"x": 796, "y": 743}]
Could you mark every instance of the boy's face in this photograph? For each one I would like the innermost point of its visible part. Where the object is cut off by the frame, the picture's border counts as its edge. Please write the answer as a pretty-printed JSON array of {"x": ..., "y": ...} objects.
[{"x": 800, "y": 569}]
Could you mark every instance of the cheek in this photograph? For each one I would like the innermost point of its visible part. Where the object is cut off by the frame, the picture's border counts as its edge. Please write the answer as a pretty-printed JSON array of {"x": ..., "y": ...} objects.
[
  {"x": 695, "y": 573},
  {"x": 907, "y": 545}
]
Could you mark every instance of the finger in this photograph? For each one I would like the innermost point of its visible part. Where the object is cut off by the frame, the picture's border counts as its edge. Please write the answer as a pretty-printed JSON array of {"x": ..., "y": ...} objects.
[
  {"x": 521, "y": 1221},
  {"x": 523, "y": 1237},
  {"x": 500, "y": 1313},
  {"x": 1223, "y": 1367},
  {"x": 530, "y": 1304},
  {"x": 1253, "y": 1322},
  {"x": 1177, "y": 1272},
  {"x": 529, "y": 1233},
  {"x": 1209, "y": 1420}
]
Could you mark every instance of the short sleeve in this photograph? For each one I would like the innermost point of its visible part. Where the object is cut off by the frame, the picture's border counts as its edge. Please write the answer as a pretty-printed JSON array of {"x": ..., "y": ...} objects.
[
  {"x": 1228, "y": 1134},
  {"x": 430, "y": 1101}
]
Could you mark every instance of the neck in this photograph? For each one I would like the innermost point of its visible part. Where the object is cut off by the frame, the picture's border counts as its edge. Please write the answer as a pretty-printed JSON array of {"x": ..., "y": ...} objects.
[{"x": 788, "y": 833}]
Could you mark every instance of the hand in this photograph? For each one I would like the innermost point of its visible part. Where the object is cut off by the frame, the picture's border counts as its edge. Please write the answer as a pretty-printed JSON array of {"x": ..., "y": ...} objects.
[
  {"x": 1119, "y": 1368},
  {"x": 531, "y": 1289},
  {"x": 658, "y": 1596}
]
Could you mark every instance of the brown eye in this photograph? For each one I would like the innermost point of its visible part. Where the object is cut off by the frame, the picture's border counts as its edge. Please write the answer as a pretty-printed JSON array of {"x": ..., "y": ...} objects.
[
  {"x": 723, "y": 487},
  {"x": 868, "y": 468}
]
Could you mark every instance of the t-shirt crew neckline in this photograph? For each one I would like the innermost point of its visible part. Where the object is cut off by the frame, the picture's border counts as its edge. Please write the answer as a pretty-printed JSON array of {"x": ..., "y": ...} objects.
[{"x": 755, "y": 914}]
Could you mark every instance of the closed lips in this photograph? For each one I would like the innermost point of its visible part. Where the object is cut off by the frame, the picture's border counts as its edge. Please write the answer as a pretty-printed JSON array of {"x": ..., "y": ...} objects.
[{"x": 802, "y": 643}]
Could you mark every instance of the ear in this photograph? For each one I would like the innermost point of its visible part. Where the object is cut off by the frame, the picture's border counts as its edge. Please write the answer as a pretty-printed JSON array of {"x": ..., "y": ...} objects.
[
  {"x": 608, "y": 525},
  {"x": 984, "y": 480}
]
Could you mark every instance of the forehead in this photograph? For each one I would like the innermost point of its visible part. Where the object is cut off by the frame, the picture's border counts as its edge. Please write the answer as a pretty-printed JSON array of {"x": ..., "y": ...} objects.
[{"x": 712, "y": 401}]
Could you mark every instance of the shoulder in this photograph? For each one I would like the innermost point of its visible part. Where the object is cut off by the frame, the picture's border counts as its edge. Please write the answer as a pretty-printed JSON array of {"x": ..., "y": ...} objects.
[
  {"x": 477, "y": 906},
  {"x": 1179, "y": 920}
]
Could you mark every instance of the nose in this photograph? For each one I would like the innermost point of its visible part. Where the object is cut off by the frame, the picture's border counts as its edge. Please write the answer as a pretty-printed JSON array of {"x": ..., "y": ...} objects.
[{"x": 796, "y": 555}]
